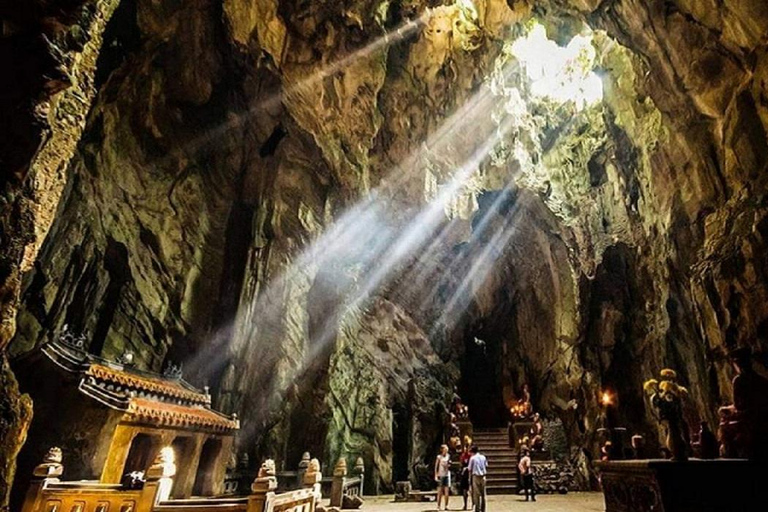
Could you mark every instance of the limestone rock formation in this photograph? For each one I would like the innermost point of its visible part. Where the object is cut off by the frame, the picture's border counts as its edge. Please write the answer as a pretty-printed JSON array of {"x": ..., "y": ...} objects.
[{"x": 267, "y": 193}]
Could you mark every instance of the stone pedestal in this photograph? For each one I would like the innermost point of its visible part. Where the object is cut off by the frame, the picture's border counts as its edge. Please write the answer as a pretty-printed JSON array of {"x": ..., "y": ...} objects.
[{"x": 692, "y": 486}]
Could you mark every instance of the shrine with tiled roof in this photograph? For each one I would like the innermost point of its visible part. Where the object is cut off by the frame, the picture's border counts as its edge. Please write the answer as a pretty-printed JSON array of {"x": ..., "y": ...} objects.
[{"x": 112, "y": 418}]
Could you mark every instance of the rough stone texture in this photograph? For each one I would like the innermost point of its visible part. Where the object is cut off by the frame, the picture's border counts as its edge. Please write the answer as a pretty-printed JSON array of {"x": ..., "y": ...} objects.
[
  {"x": 15, "y": 416},
  {"x": 49, "y": 55},
  {"x": 204, "y": 220}
]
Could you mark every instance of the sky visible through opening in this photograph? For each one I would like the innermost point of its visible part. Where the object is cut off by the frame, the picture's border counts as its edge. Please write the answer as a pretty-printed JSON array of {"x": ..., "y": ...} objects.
[{"x": 560, "y": 73}]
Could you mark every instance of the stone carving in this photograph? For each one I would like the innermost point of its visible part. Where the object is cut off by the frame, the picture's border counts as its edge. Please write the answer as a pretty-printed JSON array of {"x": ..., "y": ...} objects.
[
  {"x": 173, "y": 371},
  {"x": 54, "y": 456},
  {"x": 706, "y": 444},
  {"x": 341, "y": 468},
  {"x": 69, "y": 338},
  {"x": 402, "y": 490},
  {"x": 51, "y": 466},
  {"x": 305, "y": 461},
  {"x": 537, "y": 434},
  {"x": 359, "y": 468},
  {"x": 667, "y": 399},
  {"x": 266, "y": 480},
  {"x": 743, "y": 429},
  {"x": 312, "y": 476},
  {"x": 458, "y": 407},
  {"x": 631, "y": 494},
  {"x": 126, "y": 359},
  {"x": 267, "y": 469},
  {"x": 638, "y": 447},
  {"x": 523, "y": 409}
]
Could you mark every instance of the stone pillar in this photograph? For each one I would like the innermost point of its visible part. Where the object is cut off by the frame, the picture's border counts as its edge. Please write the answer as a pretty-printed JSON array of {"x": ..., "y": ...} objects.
[
  {"x": 312, "y": 477},
  {"x": 118, "y": 453},
  {"x": 220, "y": 469},
  {"x": 159, "y": 480},
  {"x": 359, "y": 471},
  {"x": 337, "y": 487},
  {"x": 303, "y": 466},
  {"x": 49, "y": 471},
  {"x": 263, "y": 487},
  {"x": 189, "y": 461}
]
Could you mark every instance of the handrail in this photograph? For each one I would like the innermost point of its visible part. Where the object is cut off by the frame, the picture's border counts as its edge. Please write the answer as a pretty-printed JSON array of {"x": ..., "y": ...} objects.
[{"x": 48, "y": 493}]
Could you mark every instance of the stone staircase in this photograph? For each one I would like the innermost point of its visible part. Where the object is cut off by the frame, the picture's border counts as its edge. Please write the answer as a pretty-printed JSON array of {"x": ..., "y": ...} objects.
[{"x": 502, "y": 460}]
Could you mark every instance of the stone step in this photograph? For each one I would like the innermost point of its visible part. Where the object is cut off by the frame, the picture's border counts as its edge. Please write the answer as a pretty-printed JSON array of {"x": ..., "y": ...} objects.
[
  {"x": 502, "y": 462},
  {"x": 502, "y": 474},
  {"x": 508, "y": 473},
  {"x": 502, "y": 481},
  {"x": 501, "y": 490},
  {"x": 500, "y": 454},
  {"x": 503, "y": 465},
  {"x": 498, "y": 468}
]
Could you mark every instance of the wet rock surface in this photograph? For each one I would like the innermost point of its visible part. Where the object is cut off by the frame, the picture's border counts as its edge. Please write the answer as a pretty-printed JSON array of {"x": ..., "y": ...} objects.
[{"x": 222, "y": 139}]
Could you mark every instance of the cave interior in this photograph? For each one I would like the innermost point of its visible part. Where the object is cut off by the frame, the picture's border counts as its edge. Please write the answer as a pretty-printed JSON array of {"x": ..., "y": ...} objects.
[{"x": 329, "y": 218}]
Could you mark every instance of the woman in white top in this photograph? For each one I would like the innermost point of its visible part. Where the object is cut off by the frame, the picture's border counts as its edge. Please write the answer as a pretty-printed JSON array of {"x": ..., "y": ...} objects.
[{"x": 443, "y": 475}]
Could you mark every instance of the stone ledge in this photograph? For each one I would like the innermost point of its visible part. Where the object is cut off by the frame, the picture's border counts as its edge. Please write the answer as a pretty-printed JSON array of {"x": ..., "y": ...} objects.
[{"x": 692, "y": 486}]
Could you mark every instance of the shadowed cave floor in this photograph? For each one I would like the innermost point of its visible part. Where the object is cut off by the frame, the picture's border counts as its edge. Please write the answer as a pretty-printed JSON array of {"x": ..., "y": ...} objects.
[{"x": 572, "y": 502}]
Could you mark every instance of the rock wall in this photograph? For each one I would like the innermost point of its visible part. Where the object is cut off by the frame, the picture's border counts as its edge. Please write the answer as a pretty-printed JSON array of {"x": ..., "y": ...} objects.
[
  {"x": 267, "y": 192},
  {"x": 49, "y": 55}
]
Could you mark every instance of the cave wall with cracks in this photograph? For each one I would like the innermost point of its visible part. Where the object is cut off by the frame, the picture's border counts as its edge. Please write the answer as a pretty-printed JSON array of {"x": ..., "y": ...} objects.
[{"x": 165, "y": 172}]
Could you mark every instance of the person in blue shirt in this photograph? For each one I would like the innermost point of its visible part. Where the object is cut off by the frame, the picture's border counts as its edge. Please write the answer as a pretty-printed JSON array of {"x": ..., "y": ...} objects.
[{"x": 478, "y": 468}]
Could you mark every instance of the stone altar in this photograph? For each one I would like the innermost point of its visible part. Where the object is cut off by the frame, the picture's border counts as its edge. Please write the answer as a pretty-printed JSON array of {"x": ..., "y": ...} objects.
[{"x": 732, "y": 485}]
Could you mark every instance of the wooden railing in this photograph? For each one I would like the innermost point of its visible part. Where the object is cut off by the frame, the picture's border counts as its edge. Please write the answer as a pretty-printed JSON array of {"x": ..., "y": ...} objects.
[
  {"x": 343, "y": 486},
  {"x": 48, "y": 494}
]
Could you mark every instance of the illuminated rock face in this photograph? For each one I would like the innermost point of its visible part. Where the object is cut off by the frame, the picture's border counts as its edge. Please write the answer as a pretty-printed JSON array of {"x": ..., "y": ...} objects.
[{"x": 587, "y": 249}]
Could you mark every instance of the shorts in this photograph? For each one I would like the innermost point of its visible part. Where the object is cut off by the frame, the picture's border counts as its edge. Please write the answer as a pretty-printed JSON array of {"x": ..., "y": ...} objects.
[{"x": 444, "y": 481}]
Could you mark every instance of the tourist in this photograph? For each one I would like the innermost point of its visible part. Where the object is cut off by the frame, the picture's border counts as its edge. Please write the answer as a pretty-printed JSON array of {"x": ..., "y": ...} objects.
[
  {"x": 478, "y": 467},
  {"x": 464, "y": 481},
  {"x": 443, "y": 475},
  {"x": 526, "y": 474}
]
